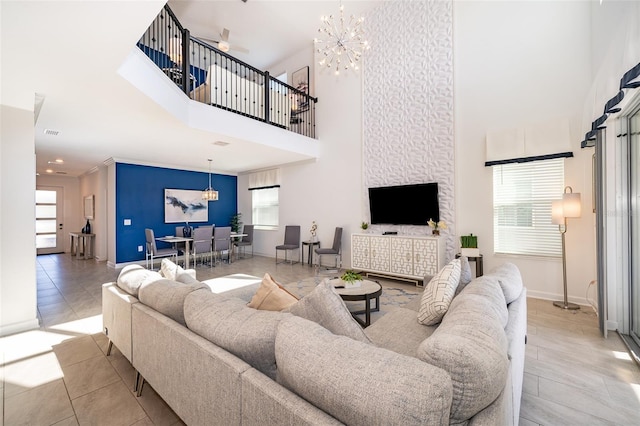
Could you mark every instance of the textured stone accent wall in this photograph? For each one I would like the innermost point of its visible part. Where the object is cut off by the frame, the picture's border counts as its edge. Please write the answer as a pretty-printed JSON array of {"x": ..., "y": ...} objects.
[{"x": 408, "y": 104}]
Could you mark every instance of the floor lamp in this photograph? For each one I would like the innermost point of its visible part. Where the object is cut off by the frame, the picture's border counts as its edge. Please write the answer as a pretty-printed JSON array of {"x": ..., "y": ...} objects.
[{"x": 568, "y": 207}]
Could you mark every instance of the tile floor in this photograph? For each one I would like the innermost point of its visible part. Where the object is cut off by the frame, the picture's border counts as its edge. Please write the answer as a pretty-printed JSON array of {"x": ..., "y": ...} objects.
[{"x": 59, "y": 374}]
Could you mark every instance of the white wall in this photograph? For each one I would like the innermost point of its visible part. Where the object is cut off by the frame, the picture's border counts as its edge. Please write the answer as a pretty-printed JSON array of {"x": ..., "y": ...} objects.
[
  {"x": 17, "y": 222},
  {"x": 329, "y": 189},
  {"x": 72, "y": 220},
  {"x": 516, "y": 64},
  {"x": 94, "y": 183}
]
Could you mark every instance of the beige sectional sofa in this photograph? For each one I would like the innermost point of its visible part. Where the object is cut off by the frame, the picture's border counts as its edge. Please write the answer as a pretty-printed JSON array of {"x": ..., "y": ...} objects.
[{"x": 216, "y": 361}]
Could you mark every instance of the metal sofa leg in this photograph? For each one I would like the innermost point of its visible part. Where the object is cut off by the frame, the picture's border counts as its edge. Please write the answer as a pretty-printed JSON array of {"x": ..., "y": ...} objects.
[
  {"x": 139, "y": 384},
  {"x": 109, "y": 347}
]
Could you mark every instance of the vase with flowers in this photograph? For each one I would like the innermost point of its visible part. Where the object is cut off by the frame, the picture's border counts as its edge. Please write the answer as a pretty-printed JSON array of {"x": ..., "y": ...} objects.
[
  {"x": 436, "y": 226},
  {"x": 314, "y": 230}
]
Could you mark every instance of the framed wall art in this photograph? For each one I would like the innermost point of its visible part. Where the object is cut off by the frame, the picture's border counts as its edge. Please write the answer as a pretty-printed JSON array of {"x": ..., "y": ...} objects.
[{"x": 185, "y": 205}]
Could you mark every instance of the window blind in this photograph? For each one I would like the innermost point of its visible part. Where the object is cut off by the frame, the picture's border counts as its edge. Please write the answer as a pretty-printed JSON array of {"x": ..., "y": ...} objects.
[{"x": 522, "y": 196}]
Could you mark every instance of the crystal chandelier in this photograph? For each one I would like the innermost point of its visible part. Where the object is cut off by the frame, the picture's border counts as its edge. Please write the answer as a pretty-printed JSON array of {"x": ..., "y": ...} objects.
[
  {"x": 210, "y": 194},
  {"x": 342, "y": 43}
]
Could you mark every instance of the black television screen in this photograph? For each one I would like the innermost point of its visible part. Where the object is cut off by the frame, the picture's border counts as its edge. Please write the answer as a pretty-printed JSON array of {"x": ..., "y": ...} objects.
[{"x": 404, "y": 204}]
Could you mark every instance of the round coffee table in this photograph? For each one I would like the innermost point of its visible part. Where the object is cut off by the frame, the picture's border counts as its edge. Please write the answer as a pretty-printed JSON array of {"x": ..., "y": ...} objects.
[{"x": 366, "y": 292}]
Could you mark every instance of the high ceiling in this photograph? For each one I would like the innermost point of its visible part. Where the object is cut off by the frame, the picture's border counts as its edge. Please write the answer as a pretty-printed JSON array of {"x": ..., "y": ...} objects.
[{"x": 69, "y": 53}]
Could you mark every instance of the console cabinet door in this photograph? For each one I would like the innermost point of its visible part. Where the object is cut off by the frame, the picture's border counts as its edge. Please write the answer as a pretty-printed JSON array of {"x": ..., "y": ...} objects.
[
  {"x": 402, "y": 256},
  {"x": 380, "y": 254},
  {"x": 360, "y": 250},
  {"x": 425, "y": 257}
]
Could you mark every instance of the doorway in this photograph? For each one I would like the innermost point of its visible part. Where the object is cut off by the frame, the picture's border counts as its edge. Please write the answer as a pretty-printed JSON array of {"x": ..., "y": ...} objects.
[
  {"x": 49, "y": 219},
  {"x": 634, "y": 206}
]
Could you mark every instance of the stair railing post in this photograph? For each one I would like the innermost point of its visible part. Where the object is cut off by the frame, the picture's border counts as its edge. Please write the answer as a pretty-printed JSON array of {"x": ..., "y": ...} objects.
[
  {"x": 186, "y": 68},
  {"x": 267, "y": 84}
]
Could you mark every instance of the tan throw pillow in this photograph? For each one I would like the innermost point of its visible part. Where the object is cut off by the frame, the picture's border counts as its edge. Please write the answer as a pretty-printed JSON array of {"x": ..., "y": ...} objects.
[
  {"x": 271, "y": 296},
  {"x": 438, "y": 294}
]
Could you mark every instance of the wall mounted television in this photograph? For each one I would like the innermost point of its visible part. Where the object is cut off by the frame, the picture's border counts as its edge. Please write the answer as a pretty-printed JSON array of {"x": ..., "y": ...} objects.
[{"x": 404, "y": 204}]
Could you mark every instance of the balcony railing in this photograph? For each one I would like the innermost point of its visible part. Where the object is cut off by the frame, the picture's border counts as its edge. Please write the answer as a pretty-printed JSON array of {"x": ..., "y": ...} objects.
[{"x": 218, "y": 79}]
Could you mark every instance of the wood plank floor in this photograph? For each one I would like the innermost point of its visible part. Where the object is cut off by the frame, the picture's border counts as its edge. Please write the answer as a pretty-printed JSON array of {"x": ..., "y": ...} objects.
[{"x": 60, "y": 375}]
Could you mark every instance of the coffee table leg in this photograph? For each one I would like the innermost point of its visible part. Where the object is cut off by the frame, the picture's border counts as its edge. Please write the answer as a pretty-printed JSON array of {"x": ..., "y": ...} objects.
[{"x": 367, "y": 311}]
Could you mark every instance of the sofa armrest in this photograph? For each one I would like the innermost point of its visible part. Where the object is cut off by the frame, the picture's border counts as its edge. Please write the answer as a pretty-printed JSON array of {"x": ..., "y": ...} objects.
[{"x": 116, "y": 317}]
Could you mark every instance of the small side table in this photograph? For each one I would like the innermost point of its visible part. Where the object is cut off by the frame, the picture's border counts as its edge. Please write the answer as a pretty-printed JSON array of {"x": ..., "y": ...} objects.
[
  {"x": 310, "y": 244},
  {"x": 477, "y": 260},
  {"x": 82, "y": 244}
]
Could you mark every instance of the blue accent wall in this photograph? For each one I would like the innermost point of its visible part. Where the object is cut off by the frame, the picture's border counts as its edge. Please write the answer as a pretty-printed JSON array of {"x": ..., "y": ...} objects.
[{"x": 140, "y": 197}]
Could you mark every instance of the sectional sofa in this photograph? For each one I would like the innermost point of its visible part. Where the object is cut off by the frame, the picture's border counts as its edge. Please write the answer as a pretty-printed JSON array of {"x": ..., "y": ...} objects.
[{"x": 214, "y": 360}]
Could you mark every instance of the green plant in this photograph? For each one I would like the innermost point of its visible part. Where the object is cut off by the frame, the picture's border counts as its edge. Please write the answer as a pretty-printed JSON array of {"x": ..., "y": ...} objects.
[
  {"x": 364, "y": 226},
  {"x": 350, "y": 276},
  {"x": 235, "y": 222},
  {"x": 469, "y": 241}
]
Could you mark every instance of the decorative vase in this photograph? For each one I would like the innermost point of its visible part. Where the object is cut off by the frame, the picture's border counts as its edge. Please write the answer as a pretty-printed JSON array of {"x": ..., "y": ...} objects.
[
  {"x": 435, "y": 232},
  {"x": 87, "y": 228},
  {"x": 351, "y": 284},
  {"x": 186, "y": 231},
  {"x": 470, "y": 252}
]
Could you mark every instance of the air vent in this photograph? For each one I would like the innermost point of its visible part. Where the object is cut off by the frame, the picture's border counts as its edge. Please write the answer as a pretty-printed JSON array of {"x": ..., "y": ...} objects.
[
  {"x": 220, "y": 143},
  {"x": 51, "y": 132},
  {"x": 61, "y": 173}
]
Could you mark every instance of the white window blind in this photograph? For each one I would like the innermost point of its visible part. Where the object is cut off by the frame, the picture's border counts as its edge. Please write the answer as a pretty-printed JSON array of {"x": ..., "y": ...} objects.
[
  {"x": 265, "y": 208},
  {"x": 522, "y": 196}
]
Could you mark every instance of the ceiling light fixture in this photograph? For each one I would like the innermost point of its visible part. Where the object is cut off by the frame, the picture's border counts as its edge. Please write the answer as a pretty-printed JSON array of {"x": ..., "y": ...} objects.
[
  {"x": 343, "y": 43},
  {"x": 210, "y": 194}
]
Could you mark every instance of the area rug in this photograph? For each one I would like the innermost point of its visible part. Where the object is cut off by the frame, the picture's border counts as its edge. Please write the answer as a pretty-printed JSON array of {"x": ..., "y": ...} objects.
[{"x": 394, "y": 295}]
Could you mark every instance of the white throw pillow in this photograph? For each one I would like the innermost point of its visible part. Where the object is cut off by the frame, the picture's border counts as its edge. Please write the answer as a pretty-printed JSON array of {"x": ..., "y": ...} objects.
[
  {"x": 170, "y": 270},
  {"x": 438, "y": 294}
]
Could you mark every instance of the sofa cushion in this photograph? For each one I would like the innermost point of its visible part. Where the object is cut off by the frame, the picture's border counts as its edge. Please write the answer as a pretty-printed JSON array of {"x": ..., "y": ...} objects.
[
  {"x": 325, "y": 307},
  {"x": 271, "y": 296},
  {"x": 132, "y": 276},
  {"x": 465, "y": 274},
  {"x": 185, "y": 277},
  {"x": 167, "y": 296},
  {"x": 245, "y": 332},
  {"x": 439, "y": 293},
  {"x": 510, "y": 280},
  {"x": 399, "y": 331},
  {"x": 471, "y": 345},
  {"x": 357, "y": 383}
]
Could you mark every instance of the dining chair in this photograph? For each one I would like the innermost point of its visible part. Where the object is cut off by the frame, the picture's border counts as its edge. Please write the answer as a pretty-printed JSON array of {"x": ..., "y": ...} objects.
[
  {"x": 291, "y": 242},
  {"x": 335, "y": 250},
  {"x": 152, "y": 251},
  {"x": 202, "y": 243},
  {"x": 222, "y": 242},
  {"x": 247, "y": 240}
]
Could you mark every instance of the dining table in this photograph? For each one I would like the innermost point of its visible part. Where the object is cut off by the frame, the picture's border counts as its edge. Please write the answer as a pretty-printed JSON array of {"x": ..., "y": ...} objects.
[{"x": 173, "y": 240}]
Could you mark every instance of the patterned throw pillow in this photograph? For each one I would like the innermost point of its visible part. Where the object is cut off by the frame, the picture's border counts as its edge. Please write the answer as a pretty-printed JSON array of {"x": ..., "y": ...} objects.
[
  {"x": 271, "y": 296},
  {"x": 438, "y": 294}
]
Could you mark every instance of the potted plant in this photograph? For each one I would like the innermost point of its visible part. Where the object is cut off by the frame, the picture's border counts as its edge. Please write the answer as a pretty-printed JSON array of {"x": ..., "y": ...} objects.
[
  {"x": 235, "y": 222},
  {"x": 351, "y": 279},
  {"x": 469, "y": 246}
]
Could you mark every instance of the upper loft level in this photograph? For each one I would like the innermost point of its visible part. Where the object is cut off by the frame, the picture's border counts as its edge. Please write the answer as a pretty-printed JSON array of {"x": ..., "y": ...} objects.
[{"x": 218, "y": 79}]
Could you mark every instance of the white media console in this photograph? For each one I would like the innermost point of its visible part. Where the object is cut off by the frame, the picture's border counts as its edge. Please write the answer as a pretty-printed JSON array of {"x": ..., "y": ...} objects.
[{"x": 402, "y": 256}]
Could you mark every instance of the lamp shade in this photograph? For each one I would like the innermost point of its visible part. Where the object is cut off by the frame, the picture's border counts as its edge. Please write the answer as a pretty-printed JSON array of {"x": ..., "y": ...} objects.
[
  {"x": 557, "y": 217},
  {"x": 571, "y": 205}
]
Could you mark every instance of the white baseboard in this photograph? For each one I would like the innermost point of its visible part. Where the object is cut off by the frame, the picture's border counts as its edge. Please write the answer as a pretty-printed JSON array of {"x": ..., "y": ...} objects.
[
  {"x": 552, "y": 296},
  {"x": 19, "y": 327}
]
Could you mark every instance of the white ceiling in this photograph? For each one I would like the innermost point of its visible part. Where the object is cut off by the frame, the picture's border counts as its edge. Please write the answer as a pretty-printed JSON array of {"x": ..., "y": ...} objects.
[{"x": 69, "y": 53}]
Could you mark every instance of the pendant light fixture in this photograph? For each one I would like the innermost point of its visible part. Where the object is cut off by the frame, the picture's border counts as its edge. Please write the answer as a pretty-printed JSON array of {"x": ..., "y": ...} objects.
[
  {"x": 210, "y": 194},
  {"x": 342, "y": 42}
]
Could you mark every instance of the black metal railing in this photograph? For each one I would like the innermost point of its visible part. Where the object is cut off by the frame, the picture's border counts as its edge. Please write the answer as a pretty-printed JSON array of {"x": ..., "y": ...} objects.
[{"x": 218, "y": 79}]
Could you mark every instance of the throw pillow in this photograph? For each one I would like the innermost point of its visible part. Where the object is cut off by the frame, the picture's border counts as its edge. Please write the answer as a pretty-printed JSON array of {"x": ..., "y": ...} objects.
[
  {"x": 271, "y": 296},
  {"x": 438, "y": 294},
  {"x": 170, "y": 270},
  {"x": 510, "y": 280},
  {"x": 325, "y": 307},
  {"x": 465, "y": 274}
]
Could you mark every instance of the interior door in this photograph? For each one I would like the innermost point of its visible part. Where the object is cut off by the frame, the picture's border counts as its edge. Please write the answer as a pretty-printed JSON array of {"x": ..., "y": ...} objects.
[
  {"x": 49, "y": 215},
  {"x": 634, "y": 199}
]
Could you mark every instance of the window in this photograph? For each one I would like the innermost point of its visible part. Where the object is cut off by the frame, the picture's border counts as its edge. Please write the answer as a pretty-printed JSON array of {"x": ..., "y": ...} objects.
[
  {"x": 522, "y": 196},
  {"x": 265, "y": 208}
]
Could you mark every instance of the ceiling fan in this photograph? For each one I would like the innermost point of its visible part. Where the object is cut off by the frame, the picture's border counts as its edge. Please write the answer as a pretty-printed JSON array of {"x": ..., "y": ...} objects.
[{"x": 223, "y": 42}]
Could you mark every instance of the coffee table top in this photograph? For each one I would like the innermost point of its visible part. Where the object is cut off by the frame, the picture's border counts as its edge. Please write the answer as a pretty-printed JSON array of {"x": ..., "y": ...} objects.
[{"x": 367, "y": 288}]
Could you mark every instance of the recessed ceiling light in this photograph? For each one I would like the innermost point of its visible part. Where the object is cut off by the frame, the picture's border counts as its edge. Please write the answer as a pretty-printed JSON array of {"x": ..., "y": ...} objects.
[
  {"x": 221, "y": 143},
  {"x": 51, "y": 132},
  {"x": 57, "y": 161},
  {"x": 49, "y": 171}
]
